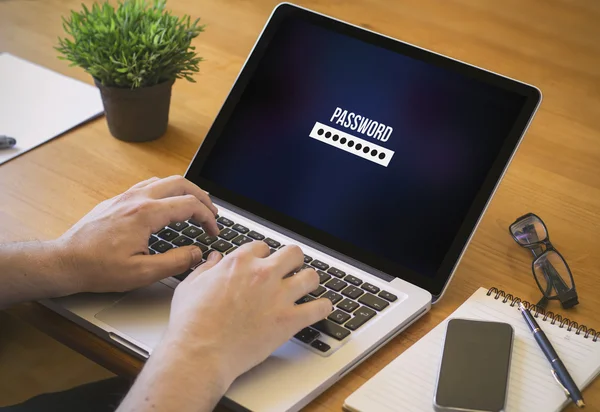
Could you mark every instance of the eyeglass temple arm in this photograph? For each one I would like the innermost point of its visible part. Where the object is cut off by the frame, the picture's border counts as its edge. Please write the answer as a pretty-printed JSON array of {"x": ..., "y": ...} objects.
[{"x": 554, "y": 278}]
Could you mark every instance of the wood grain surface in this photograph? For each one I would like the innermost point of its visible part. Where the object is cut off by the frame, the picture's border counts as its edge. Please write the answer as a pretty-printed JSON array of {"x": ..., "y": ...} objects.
[{"x": 553, "y": 44}]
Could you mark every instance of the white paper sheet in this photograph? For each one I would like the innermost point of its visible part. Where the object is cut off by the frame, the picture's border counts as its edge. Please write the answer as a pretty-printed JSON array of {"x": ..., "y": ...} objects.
[{"x": 37, "y": 104}]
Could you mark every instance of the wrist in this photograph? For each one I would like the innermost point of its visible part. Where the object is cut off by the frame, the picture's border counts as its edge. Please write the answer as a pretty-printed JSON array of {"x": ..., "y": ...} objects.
[
  {"x": 198, "y": 356},
  {"x": 176, "y": 379},
  {"x": 58, "y": 263}
]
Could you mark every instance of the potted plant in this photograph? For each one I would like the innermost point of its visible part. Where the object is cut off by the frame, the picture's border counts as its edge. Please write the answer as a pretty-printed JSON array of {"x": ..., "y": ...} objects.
[{"x": 134, "y": 52}]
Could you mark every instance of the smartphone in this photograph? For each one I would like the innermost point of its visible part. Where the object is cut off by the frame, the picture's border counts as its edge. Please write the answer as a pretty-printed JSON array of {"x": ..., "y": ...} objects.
[{"x": 475, "y": 366}]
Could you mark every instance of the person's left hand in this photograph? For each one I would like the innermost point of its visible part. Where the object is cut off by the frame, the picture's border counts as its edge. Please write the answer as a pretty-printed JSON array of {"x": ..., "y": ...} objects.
[{"x": 107, "y": 250}]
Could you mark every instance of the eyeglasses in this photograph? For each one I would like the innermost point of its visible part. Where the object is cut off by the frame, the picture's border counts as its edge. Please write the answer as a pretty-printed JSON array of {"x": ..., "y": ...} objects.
[{"x": 550, "y": 270}]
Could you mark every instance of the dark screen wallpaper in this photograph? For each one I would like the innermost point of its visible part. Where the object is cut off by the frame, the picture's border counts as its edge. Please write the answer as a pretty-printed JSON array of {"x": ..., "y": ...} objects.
[{"x": 447, "y": 131}]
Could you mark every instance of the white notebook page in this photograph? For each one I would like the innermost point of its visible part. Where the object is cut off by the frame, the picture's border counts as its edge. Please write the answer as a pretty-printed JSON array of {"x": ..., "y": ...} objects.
[
  {"x": 408, "y": 382},
  {"x": 37, "y": 104}
]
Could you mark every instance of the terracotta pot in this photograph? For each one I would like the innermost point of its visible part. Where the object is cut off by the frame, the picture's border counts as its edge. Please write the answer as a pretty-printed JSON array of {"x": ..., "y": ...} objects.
[{"x": 137, "y": 115}]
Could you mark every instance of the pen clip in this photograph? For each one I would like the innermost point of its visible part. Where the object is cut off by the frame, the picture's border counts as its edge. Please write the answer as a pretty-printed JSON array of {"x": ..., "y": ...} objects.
[{"x": 560, "y": 383}]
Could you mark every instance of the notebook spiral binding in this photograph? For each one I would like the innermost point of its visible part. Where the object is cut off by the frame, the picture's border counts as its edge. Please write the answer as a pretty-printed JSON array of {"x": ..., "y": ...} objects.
[{"x": 554, "y": 317}]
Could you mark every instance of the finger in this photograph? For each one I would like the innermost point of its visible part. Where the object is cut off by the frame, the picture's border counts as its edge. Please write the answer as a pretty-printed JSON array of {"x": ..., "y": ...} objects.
[
  {"x": 287, "y": 260},
  {"x": 178, "y": 186},
  {"x": 302, "y": 283},
  {"x": 214, "y": 258},
  {"x": 180, "y": 208},
  {"x": 152, "y": 268},
  {"x": 310, "y": 313},
  {"x": 257, "y": 249},
  {"x": 144, "y": 183}
]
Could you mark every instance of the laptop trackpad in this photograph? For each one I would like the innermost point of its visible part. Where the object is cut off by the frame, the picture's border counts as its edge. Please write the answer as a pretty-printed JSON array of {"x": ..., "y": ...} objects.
[{"x": 142, "y": 314}]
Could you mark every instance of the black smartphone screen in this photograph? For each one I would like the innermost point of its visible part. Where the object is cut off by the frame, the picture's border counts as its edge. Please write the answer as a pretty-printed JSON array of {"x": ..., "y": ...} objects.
[{"x": 475, "y": 366}]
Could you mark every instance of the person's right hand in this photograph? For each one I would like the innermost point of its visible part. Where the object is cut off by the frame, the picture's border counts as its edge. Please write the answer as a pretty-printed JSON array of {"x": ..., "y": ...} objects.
[{"x": 240, "y": 308}]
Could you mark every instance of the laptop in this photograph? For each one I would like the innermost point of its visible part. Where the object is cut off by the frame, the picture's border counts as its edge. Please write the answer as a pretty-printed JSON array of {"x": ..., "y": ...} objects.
[{"x": 377, "y": 157}]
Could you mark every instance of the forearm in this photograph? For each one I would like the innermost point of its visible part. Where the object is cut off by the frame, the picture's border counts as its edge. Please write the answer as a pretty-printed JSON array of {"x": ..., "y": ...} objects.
[
  {"x": 175, "y": 379},
  {"x": 31, "y": 271}
]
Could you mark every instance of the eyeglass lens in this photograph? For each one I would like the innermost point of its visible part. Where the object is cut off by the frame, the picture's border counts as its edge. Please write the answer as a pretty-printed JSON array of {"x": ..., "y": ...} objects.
[
  {"x": 529, "y": 230},
  {"x": 552, "y": 274}
]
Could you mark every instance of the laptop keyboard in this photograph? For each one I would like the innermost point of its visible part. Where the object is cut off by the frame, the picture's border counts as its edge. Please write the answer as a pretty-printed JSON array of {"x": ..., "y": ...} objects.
[{"x": 355, "y": 302}]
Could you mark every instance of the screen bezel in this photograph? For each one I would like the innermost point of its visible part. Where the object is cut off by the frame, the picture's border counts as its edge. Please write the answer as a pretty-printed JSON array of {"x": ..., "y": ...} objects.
[{"x": 436, "y": 284}]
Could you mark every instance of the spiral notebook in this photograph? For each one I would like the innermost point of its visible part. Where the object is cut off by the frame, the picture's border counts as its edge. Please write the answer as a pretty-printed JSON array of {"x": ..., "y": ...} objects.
[{"x": 408, "y": 382}]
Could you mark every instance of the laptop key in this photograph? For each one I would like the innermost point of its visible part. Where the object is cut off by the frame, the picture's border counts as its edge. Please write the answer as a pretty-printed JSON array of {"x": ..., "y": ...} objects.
[
  {"x": 320, "y": 265},
  {"x": 318, "y": 291},
  {"x": 336, "y": 272},
  {"x": 348, "y": 305},
  {"x": 206, "y": 254},
  {"x": 202, "y": 247},
  {"x": 228, "y": 234},
  {"x": 321, "y": 346},
  {"x": 220, "y": 226},
  {"x": 183, "y": 275},
  {"x": 239, "y": 228},
  {"x": 206, "y": 239},
  {"x": 153, "y": 239},
  {"x": 336, "y": 284},
  {"x": 353, "y": 280},
  {"x": 256, "y": 236},
  {"x": 332, "y": 296},
  {"x": 352, "y": 292},
  {"x": 182, "y": 241},
  {"x": 192, "y": 232},
  {"x": 307, "y": 335},
  {"x": 373, "y": 301},
  {"x": 224, "y": 221},
  {"x": 338, "y": 317},
  {"x": 231, "y": 250},
  {"x": 323, "y": 277},
  {"x": 370, "y": 288},
  {"x": 195, "y": 222},
  {"x": 272, "y": 243},
  {"x": 307, "y": 259},
  {"x": 221, "y": 246},
  {"x": 388, "y": 296},
  {"x": 150, "y": 251},
  {"x": 168, "y": 234},
  {"x": 304, "y": 299},
  {"x": 332, "y": 329},
  {"x": 161, "y": 246},
  {"x": 178, "y": 226},
  {"x": 361, "y": 316},
  {"x": 241, "y": 240},
  {"x": 271, "y": 251}
]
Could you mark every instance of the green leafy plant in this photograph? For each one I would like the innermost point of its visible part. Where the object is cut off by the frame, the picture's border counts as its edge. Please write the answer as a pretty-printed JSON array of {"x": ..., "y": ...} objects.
[{"x": 136, "y": 44}]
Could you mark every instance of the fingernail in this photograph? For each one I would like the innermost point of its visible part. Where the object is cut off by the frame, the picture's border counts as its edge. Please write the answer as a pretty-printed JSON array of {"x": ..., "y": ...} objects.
[
  {"x": 197, "y": 254},
  {"x": 213, "y": 256}
]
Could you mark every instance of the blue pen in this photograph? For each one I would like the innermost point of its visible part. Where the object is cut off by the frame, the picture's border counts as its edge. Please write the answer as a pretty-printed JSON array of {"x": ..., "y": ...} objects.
[
  {"x": 7, "y": 142},
  {"x": 558, "y": 368}
]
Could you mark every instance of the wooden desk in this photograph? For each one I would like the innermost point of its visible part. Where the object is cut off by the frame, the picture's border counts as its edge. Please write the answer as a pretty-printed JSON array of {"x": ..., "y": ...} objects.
[{"x": 553, "y": 44}]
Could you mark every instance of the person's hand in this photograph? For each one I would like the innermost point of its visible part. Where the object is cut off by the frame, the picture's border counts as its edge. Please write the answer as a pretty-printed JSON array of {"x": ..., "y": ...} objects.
[
  {"x": 107, "y": 250},
  {"x": 238, "y": 309}
]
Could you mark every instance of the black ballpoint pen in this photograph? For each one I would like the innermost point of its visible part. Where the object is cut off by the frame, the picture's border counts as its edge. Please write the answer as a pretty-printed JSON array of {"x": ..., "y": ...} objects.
[{"x": 558, "y": 368}]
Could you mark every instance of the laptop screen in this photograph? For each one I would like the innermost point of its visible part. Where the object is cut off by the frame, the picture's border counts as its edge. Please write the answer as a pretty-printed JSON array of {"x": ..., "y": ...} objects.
[{"x": 371, "y": 152}]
